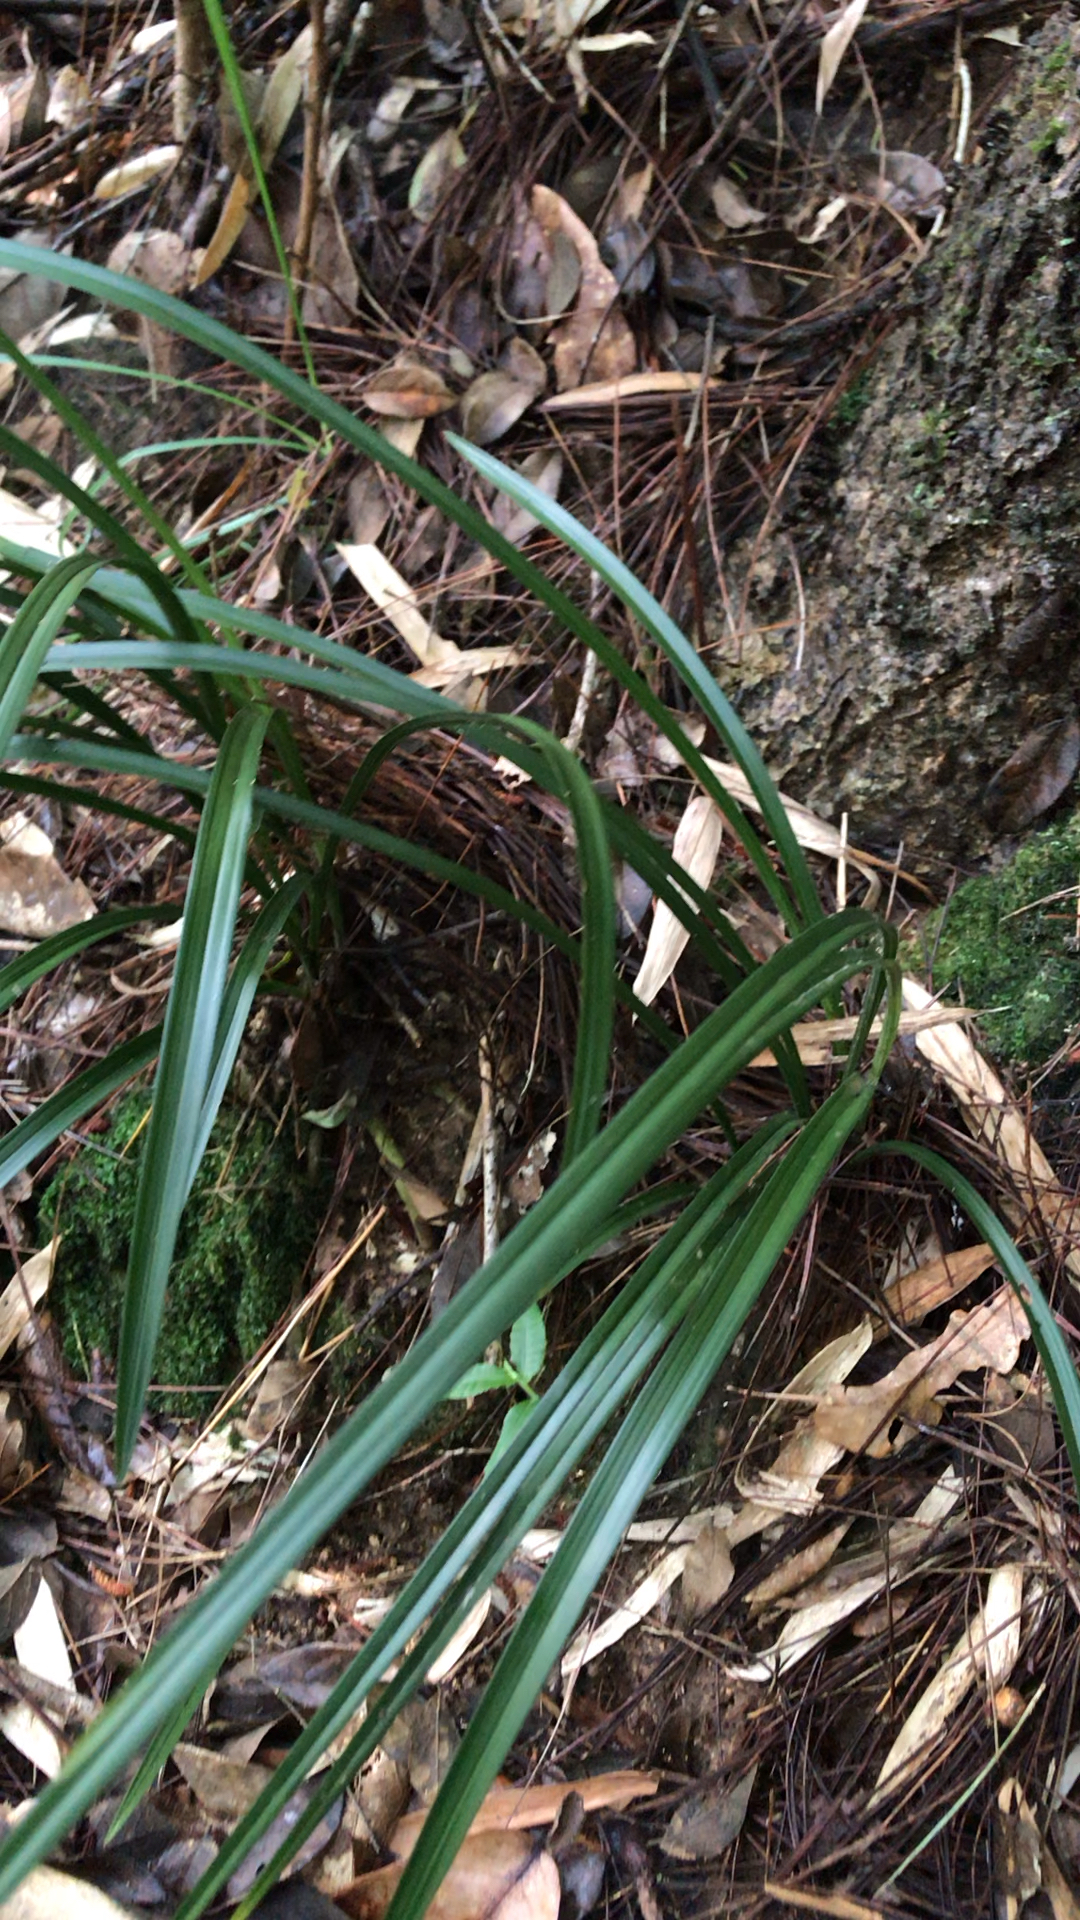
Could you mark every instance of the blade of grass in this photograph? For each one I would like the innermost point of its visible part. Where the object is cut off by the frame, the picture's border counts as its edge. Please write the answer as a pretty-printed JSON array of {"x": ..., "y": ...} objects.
[
  {"x": 187, "y": 1061},
  {"x": 21, "y": 972},
  {"x": 539, "y": 1249},
  {"x": 25, "y": 643}
]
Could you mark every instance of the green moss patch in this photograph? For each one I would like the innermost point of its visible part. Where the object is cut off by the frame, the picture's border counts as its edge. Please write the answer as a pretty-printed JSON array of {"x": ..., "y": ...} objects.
[
  {"x": 1011, "y": 948},
  {"x": 245, "y": 1236}
]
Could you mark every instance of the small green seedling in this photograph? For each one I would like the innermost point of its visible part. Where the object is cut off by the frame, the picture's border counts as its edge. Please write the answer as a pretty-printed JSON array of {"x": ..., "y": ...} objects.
[{"x": 528, "y": 1351}]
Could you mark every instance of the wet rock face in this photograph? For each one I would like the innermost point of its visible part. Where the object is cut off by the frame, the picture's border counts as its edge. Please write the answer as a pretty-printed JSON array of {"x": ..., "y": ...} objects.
[{"x": 941, "y": 565}]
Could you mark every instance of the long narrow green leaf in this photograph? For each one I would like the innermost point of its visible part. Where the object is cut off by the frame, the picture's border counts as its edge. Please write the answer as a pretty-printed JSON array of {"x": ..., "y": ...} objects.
[
  {"x": 617, "y": 1488},
  {"x": 199, "y": 327},
  {"x": 21, "y": 972},
  {"x": 573, "y": 1411},
  {"x": 658, "y": 622},
  {"x": 27, "y": 640},
  {"x": 81, "y": 1096},
  {"x": 187, "y": 1061},
  {"x": 542, "y": 1246}
]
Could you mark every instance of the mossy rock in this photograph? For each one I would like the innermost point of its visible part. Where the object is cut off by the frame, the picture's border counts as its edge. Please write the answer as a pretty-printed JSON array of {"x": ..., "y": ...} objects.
[
  {"x": 1008, "y": 942},
  {"x": 246, "y": 1233}
]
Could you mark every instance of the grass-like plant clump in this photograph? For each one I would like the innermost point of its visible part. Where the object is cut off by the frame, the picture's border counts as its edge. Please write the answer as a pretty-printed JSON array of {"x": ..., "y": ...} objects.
[
  {"x": 1007, "y": 941},
  {"x": 244, "y": 1238}
]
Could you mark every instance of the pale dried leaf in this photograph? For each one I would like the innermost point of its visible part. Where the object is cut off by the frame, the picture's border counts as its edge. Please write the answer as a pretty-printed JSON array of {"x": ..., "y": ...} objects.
[
  {"x": 1000, "y": 1125},
  {"x": 591, "y": 1642},
  {"x": 614, "y": 42},
  {"x": 562, "y": 19},
  {"x": 24, "y": 1291},
  {"x": 459, "y": 1643},
  {"x": 732, "y": 207},
  {"x": 136, "y": 172},
  {"x": 596, "y": 337},
  {"x": 40, "y": 1645},
  {"x": 22, "y": 108},
  {"x": 408, "y": 390},
  {"x": 834, "y": 46},
  {"x": 155, "y": 256},
  {"x": 445, "y": 158},
  {"x": 696, "y": 848},
  {"x": 333, "y": 283},
  {"x": 69, "y": 98},
  {"x": 603, "y": 393},
  {"x": 986, "y": 1652},
  {"x": 393, "y": 596},
  {"x": 798, "y": 1569},
  {"x": 522, "y": 362},
  {"x": 36, "y": 896},
  {"x": 815, "y": 1040},
  {"x": 46, "y": 1893},
  {"x": 545, "y": 471}
]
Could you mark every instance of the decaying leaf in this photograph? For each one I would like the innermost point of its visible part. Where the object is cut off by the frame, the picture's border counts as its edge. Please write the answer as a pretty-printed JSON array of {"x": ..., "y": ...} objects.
[
  {"x": 137, "y": 172},
  {"x": 1002, "y": 1126},
  {"x": 986, "y": 1652},
  {"x": 1034, "y": 777},
  {"x": 708, "y": 1820},
  {"x": 24, "y": 1291},
  {"x": 495, "y": 1876},
  {"x": 545, "y": 470},
  {"x": 491, "y": 405},
  {"x": 408, "y": 390},
  {"x": 596, "y": 337},
  {"x": 835, "y": 45},
  {"x": 507, "y": 1809},
  {"x": 707, "y": 1572},
  {"x": 444, "y": 158},
  {"x": 861, "y": 1418},
  {"x": 442, "y": 661},
  {"x": 41, "y": 1648},
  {"x": 696, "y": 848},
  {"x": 36, "y": 896},
  {"x": 918, "y": 1292},
  {"x": 592, "y": 1641}
]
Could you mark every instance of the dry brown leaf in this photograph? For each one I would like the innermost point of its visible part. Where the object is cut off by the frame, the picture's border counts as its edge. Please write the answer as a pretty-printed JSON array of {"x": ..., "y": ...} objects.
[
  {"x": 603, "y": 393},
  {"x": 507, "y": 1809},
  {"x": 491, "y": 405},
  {"x": 707, "y": 1571},
  {"x": 596, "y": 337},
  {"x": 916, "y": 1294},
  {"x": 834, "y": 46},
  {"x": 284, "y": 91},
  {"x": 490, "y": 1868},
  {"x": 545, "y": 471},
  {"x": 224, "y": 1788},
  {"x": 708, "y": 1821},
  {"x": 435, "y": 174},
  {"x": 986, "y": 1652},
  {"x": 999, "y": 1123},
  {"x": 790, "y": 1485},
  {"x": 1033, "y": 777},
  {"x": 798, "y": 1569},
  {"x": 696, "y": 848},
  {"x": 22, "y": 109},
  {"x": 860, "y": 1418},
  {"x": 815, "y": 1039},
  {"x": 230, "y": 226},
  {"x": 36, "y": 896},
  {"x": 408, "y": 390},
  {"x": 442, "y": 661}
]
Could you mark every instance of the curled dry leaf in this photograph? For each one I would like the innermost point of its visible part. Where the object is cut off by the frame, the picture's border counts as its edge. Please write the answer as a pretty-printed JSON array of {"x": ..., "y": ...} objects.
[
  {"x": 596, "y": 337},
  {"x": 732, "y": 207},
  {"x": 137, "y": 172},
  {"x": 696, "y": 848},
  {"x": 408, "y": 390},
  {"x": 36, "y": 896},
  {"x": 444, "y": 158}
]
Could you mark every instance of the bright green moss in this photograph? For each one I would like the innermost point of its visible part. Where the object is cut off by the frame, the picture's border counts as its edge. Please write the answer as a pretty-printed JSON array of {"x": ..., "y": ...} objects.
[
  {"x": 246, "y": 1233},
  {"x": 1012, "y": 949}
]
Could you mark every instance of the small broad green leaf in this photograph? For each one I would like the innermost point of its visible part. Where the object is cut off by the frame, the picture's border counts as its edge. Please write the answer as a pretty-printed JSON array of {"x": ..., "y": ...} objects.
[
  {"x": 528, "y": 1342},
  {"x": 485, "y": 1377},
  {"x": 511, "y": 1427}
]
